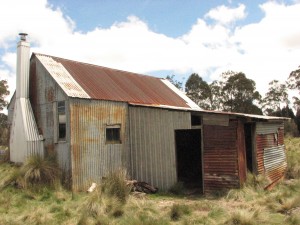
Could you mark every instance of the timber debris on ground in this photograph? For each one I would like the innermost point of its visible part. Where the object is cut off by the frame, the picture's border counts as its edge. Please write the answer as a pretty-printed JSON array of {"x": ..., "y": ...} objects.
[{"x": 136, "y": 186}]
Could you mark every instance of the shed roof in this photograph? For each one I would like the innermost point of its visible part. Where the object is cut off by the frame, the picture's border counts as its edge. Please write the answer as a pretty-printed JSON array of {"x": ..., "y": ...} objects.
[{"x": 85, "y": 80}]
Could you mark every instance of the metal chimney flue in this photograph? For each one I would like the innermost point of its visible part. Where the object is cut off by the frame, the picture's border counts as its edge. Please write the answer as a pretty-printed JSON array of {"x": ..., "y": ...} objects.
[
  {"x": 23, "y": 36},
  {"x": 25, "y": 139}
]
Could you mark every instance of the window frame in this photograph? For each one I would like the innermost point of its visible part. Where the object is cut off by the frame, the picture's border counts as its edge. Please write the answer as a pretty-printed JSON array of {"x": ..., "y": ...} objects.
[
  {"x": 61, "y": 133},
  {"x": 113, "y": 138}
]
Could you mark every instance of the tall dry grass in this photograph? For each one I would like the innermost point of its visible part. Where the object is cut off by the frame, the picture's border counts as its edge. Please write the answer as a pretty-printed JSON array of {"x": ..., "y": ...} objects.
[{"x": 40, "y": 171}]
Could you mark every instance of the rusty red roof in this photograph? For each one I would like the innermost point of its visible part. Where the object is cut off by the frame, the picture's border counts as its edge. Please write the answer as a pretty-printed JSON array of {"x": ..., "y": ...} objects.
[{"x": 96, "y": 82}]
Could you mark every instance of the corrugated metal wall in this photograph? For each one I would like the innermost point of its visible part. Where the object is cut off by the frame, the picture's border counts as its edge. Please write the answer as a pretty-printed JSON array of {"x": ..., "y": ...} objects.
[
  {"x": 152, "y": 137},
  {"x": 44, "y": 94},
  {"x": 91, "y": 157},
  {"x": 271, "y": 158},
  {"x": 220, "y": 156}
]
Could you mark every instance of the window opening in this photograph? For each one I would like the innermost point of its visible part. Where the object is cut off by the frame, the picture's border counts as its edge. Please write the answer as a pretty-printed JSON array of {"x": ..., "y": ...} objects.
[
  {"x": 61, "y": 109},
  {"x": 113, "y": 134},
  {"x": 196, "y": 120}
]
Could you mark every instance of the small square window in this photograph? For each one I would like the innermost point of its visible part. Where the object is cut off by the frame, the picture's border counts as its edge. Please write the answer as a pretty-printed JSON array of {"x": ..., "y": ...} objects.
[{"x": 113, "y": 134}]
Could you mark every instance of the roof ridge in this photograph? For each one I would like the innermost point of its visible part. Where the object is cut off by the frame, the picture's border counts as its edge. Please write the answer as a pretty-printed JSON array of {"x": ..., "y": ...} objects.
[{"x": 104, "y": 67}]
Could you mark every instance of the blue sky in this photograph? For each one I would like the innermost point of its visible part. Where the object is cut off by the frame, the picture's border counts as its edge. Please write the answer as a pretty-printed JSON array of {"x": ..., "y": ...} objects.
[
  {"x": 160, "y": 37},
  {"x": 171, "y": 17}
]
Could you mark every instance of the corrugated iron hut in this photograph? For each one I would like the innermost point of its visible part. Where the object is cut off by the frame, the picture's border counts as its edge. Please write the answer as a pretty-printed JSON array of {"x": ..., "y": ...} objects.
[{"x": 98, "y": 119}]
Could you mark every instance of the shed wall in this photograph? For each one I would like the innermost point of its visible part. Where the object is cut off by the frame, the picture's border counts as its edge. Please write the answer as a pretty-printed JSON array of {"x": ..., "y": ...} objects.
[
  {"x": 271, "y": 157},
  {"x": 92, "y": 158},
  {"x": 152, "y": 138},
  {"x": 220, "y": 156},
  {"x": 44, "y": 94}
]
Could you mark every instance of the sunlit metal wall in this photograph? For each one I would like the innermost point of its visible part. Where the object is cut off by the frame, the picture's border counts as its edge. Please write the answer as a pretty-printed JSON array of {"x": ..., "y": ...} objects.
[
  {"x": 93, "y": 158},
  {"x": 152, "y": 138},
  {"x": 44, "y": 94},
  {"x": 270, "y": 150}
]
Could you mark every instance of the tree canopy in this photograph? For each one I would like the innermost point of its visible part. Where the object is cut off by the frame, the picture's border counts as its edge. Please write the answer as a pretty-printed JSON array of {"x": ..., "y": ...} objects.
[
  {"x": 3, "y": 118},
  {"x": 235, "y": 93},
  {"x": 239, "y": 93},
  {"x": 3, "y": 93},
  {"x": 294, "y": 83},
  {"x": 175, "y": 82},
  {"x": 198, "y": 90},
  {"x": 276, "y": 96}
]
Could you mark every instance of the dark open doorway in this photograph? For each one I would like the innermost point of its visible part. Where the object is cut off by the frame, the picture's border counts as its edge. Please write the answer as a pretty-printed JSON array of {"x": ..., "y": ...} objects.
[
  {"x": 249, "y": 146},
  {"x": 188, "y": 156}
]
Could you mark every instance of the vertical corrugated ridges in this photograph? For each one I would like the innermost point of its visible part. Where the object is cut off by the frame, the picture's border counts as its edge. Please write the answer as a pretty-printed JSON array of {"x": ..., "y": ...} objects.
[
  {"x": 271, "y": 158},
  {"x": 220, "y": 157},
  {"x": 152, "y": 137},
  {"x": 92, "y": 158}
]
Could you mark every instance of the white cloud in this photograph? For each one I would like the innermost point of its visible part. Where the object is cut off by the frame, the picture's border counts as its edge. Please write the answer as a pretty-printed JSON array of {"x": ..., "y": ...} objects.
[
  {"x": 271, "y": 46},
  {"x": 225, "y": 15},
  {"x": 266, "y": 50}
]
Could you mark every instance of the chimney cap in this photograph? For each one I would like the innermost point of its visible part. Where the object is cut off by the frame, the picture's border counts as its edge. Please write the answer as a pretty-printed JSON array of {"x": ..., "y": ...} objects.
[{"x": 23, "y": 36}]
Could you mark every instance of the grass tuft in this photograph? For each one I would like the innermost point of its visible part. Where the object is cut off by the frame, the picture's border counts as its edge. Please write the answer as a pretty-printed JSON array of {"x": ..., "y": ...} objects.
[
  {"x": 39, "y": 171},
  {"x": 177, "y": 211},
  {"x": 115, "y": 185}
]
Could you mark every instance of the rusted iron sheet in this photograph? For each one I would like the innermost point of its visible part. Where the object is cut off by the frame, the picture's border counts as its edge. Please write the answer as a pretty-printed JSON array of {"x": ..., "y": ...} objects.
[
  {"x": 104, "y": 83},
  {"x": 220, "y": 157},
  {"x": 241, "y": 148},
  {"x": 153, "y": 144},
  {"x": 62, "y": 77},
  {"x": 275, "y": 162},
  {"x": 93, "y": 158},
  {"x": 271, "y": 159}
]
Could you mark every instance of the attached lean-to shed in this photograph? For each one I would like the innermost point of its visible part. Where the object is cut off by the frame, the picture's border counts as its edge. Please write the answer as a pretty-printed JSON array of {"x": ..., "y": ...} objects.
[
  {"x": 96, "y": 120},
  {"x": 235, "y": 144}
]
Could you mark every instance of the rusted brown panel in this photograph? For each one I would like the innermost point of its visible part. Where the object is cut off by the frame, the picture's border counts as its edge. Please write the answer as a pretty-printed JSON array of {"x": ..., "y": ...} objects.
[
  {"x": 49, "y": 92},
  {"x": 111, "y": 84},
  {"x": 220, "y": 157},
  {"x": 241, "y": 148},
  {"x": 281, "y": 136},
  {"x": 271, "y": 159}
]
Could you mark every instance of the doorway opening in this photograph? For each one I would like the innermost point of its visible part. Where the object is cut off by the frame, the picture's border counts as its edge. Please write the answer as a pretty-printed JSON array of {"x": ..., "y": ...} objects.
[
  {"x": 188, "y": 157},
  {"x": 248, "y": 128}
]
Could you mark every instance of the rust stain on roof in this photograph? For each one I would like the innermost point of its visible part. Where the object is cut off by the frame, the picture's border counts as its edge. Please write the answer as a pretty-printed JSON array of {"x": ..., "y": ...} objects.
[{"x": 110, "y": 84}]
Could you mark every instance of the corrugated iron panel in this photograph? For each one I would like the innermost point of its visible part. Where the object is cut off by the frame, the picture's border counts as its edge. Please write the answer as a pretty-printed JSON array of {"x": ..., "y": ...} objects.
[
  {"x": 44, "y": 94},
  {"x": 62, "y": 77},
  {"x": 110, "y": 84},
  {"x": 152, "y": 138},
  {"x": 91, "y": 157},
  {"x": 220, "y": 157},
  {"x": 275, "y": 162},
  {"x": 24, "y": 138},
  {"x": 215, "y": 119},
  {"x": 274, "y": 157},
  {"x": 271, "y": 159},
  {"x": 268, "y": 128}
]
